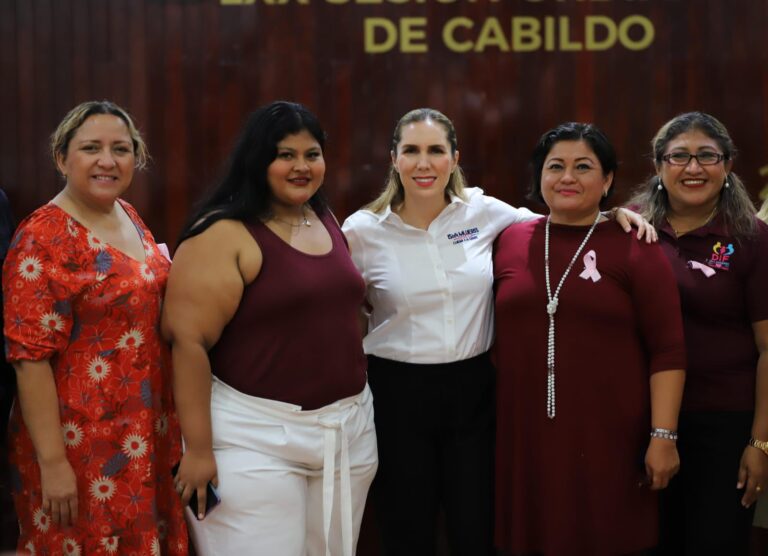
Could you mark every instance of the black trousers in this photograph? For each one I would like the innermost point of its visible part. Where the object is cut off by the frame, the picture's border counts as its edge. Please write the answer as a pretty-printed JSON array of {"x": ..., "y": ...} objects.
[
  {"x": 701, "y": 512},
  {"x": 435, "y": 426}
]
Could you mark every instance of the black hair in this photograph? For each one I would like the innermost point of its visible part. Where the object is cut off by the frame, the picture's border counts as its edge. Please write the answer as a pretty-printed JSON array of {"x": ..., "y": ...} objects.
[
  {"x": 244, "y": 193},
  {"x": 571, "y": 131}
]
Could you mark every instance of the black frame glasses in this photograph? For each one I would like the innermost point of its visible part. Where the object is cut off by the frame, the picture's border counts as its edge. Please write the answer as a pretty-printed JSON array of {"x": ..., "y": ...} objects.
[{"x": 706, "y": 158}]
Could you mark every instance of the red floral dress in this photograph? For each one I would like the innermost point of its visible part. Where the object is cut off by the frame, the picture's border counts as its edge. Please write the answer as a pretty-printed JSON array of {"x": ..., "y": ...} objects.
[{"x": 94, "y": 312}]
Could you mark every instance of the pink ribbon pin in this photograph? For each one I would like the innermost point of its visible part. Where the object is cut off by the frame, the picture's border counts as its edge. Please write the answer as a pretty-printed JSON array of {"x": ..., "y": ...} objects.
[
  {"x": 590, "y": 267},
  {"x": 706, "y": 270}
]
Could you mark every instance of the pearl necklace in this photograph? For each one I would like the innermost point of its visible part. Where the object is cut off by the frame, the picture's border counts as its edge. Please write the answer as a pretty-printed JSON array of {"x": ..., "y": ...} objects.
[{"x": 552, "y": 309}]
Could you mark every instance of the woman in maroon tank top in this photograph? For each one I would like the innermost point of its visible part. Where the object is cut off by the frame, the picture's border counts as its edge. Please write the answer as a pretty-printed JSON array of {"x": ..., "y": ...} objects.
[{"x": 262, "y": 311}]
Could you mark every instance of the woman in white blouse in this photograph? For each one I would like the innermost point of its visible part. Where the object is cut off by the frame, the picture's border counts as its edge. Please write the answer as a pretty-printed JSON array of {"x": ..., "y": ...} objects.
[{"x": 424, "y": 248}]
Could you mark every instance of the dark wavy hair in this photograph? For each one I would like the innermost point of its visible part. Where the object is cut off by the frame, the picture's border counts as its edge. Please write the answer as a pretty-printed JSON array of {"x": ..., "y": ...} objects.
[
  {"x": 244, "y": 194},
  {"x": 571, "y": 131},
  {"x": 734, "y": 204}
]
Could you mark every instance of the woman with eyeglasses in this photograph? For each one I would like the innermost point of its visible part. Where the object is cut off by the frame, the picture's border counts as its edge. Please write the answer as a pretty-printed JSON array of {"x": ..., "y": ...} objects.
[{"x": 718, "y": 249}]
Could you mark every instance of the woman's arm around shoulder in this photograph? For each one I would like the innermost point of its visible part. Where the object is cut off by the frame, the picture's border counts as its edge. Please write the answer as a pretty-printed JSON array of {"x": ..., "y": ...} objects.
[
  {"x": 626, "y": 218},
  {"x": 205, "y": 285},
  {"x": 499, "y": 213}
]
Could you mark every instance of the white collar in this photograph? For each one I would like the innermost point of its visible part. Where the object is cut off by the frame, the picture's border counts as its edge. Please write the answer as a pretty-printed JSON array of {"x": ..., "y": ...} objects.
[{"x": 455, "y": 199}]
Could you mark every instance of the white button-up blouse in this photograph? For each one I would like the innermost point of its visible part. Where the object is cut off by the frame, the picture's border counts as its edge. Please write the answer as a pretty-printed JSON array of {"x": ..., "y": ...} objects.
[{"x": 431, "y": 291}]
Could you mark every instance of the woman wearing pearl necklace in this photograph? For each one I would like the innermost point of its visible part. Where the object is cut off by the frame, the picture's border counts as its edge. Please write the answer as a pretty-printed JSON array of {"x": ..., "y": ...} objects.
[
  {"x": 424, "y": 249},
  {"x": 590, "y": 355}
]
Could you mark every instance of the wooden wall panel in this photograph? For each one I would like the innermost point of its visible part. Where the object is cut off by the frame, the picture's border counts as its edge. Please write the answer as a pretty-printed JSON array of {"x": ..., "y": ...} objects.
[{"x": 191, "y": 70}]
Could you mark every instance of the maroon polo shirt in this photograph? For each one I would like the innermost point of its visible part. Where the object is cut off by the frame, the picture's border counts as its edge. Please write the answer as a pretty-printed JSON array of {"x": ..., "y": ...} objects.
[{"x": 718, "y": 312}]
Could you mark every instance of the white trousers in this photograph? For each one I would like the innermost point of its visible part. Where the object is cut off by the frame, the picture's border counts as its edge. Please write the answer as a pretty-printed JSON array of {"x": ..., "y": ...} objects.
[{"x": 291, "y": 482}]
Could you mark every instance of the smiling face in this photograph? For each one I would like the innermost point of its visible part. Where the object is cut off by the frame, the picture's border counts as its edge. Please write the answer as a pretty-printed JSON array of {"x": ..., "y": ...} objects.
[
  {"x": 572, "y": 182},
  {"x": 693, "y": 186},
  {"x": 99, "y": 160},
  {"x": 297, "y": 171},
  {"x": 424, "y": 161}
]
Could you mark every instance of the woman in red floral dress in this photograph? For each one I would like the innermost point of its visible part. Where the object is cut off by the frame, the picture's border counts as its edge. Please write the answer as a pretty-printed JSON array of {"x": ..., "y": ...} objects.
[{"x": 94, "y": 432}]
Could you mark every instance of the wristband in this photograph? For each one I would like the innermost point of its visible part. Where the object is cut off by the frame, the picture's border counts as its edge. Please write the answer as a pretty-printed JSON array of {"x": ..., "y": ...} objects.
[
  {"x": 666, "y": 434},
  {"x": 761, "y": 445}
]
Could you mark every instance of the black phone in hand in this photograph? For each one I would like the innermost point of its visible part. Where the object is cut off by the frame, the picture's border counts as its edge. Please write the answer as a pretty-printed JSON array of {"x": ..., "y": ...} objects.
[{"x": 211, "y": 496}]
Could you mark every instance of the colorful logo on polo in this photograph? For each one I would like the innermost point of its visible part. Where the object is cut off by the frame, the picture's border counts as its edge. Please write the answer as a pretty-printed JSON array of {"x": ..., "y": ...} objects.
[
  {"x": 721, "y": 256},
  {"x": 464, "y": 235}
]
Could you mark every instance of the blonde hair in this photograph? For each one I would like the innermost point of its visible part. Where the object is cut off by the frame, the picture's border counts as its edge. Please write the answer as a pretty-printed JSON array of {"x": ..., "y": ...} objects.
[
  {"x": 763, "y": 212},
  {"x": 76, "y": 117},
  {"x": 393, "y": 194}
]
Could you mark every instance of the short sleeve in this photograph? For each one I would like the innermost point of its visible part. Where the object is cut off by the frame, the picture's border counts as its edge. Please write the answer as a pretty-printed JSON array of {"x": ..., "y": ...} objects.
[
  {"x": 38, "y": 292},
  {"x": 356, "y": 249},
  {"x": 757, "y": 279},
  {"x": 656, "y": 300}
]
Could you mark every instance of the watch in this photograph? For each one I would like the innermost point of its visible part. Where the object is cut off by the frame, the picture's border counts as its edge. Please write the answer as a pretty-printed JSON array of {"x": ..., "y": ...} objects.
[{"x": 761, "y": 445}]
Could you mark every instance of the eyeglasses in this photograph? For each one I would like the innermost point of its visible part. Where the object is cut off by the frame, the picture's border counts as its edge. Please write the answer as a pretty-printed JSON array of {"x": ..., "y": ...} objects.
[{"x": 706, "y": 158}]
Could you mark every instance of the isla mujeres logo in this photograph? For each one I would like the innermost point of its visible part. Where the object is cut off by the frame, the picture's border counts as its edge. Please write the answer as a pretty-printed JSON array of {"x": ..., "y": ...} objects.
[
  {"x": 721, "y": 256},
  {"x": 464, "y": 235}
]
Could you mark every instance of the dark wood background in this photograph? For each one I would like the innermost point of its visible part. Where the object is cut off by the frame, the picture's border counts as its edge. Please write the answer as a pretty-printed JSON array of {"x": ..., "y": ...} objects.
[{"x": 189, "y": 71}]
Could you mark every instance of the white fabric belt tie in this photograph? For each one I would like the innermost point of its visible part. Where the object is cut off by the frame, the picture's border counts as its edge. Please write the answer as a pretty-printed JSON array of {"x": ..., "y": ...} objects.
[
  {"x": 332, "y": 418},
  {"x": 332, "y": 430}
]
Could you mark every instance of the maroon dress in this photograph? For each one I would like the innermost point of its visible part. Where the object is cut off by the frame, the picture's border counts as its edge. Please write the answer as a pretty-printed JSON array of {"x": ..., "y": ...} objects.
[{"x": 572, "y": 485}]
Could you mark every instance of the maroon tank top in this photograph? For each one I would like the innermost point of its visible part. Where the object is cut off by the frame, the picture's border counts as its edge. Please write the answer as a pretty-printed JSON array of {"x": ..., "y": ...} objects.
[{"x": 296, "y": 336}]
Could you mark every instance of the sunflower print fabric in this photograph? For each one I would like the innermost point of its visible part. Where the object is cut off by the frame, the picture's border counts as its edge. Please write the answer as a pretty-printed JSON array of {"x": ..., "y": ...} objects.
[{"x": 94, "y": 313}]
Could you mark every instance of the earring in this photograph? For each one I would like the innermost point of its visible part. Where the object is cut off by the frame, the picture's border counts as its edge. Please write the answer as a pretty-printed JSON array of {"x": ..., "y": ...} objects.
[
  {"x": 605, "y": 193},
  {"x": 727, "y": 184},
  {"x": 659, "y": 184}
]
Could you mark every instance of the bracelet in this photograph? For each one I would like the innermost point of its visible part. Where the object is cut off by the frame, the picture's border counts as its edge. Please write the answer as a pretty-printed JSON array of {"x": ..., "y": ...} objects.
[
  {"x": 666, "y": 434},
  {"x": 761, "y": 445}
]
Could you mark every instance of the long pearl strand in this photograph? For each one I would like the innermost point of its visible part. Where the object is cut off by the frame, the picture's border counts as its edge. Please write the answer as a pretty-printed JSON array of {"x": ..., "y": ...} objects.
[{"x": 552, "y": 309}]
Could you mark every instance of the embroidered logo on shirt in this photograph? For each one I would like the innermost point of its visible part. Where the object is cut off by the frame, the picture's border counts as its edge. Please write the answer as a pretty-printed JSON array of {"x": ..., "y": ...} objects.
[
  {"x": 721, "y": 256},
  {"x": 464, "y": 235}
]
